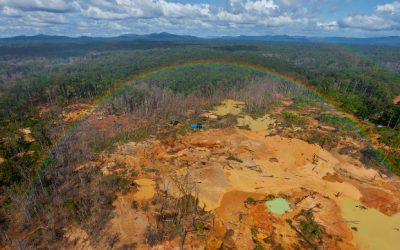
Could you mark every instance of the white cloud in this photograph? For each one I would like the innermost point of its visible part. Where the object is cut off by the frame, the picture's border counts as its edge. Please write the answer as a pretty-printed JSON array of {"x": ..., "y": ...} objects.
[
  {"x": 97, "y": 13},
  {"x": 106, "y": 17},
  {"x": 262, "y": 6},
  {"x": 161, "y": 8},
  {"x": 45, "y": 18},
  {"x": 8, "y": 11},
  {"x": 388, "y": 8},
  {"x": 58, "y": 6},
  {"x": 385, "y": 17},
  {"x": 332, "y": 25},
  {"x": 372, "y": 22}
]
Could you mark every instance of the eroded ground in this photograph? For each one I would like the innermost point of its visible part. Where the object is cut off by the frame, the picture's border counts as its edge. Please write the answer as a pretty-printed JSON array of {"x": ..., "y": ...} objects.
[{"x": 336, "y": 202}]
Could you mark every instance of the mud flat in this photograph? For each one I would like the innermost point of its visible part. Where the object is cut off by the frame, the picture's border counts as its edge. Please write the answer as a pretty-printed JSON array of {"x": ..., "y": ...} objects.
[
  {"x": 265, "y": 123},
  {"x": 146, "y": 189},
  {"x": 229, "y": 106},
  {"x": 233, "y": 107},
  {"x": 372, "y": 229}
]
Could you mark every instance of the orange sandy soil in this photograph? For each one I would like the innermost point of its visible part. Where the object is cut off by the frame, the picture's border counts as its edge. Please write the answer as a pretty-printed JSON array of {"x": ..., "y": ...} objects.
[
  {"x": 76, "y": 111},
  {"x": 396, "y": 100},
  {"x": 71, "y": 112},
  {"x": 230, "y": 165}
]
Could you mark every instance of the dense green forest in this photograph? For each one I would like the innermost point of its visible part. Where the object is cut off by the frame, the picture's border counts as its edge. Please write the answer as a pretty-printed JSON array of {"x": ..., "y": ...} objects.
[{"x": 362, "y": 79}]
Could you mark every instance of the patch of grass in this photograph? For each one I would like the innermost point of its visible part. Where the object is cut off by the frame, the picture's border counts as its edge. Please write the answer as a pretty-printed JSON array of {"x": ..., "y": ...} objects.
[
  {"x": 7, "y": 202},
  {"x": 327, "y": 141},
  {"x": 200, "y": 227},
  {"x": 112, "y": 180},
  {"x": 310, "y": 229},
  {"x": 394, "y": 159},
  {"x": 71, "y": 203},
  {"x": 250, "y": 201},
  {"x": 292, "y": 119},
  {"x": 133, "y": 173},
  {"x": 342, "y": 124},
  {"x": 188, "y": 203},
  {"x": 270, "y": 196},
  {"x": 303, "y": 101},
  {"x": 268, "y": 240},
  {"x": 389, "y": 136},
  {"x": 259, "y": 247},
  {"x": 253, "y": 231}
]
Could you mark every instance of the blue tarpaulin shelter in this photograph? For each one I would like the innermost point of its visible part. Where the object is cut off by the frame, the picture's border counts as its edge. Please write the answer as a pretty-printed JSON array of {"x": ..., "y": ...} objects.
[{"x": 196, "y": 126}]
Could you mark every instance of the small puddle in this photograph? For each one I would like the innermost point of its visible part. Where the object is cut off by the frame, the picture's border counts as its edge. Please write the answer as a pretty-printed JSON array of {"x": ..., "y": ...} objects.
[
  {"x": 278, "y": 206},
  {"x": 229, "y": 107},
  {"x": 259, "y": 124},
  {"x": 146, "y": 189},
  {"x": 372, "y": 229}
]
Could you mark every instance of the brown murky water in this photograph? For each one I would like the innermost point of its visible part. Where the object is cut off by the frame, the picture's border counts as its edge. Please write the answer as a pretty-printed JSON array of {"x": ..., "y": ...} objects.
[
  {"x": 229, "y": 107},
  {"x": 146, "y": 189},
  {"x": 259, "y": 124},
  {"x": 375, "y": 230},
  {"x": 233, "y": 107}
]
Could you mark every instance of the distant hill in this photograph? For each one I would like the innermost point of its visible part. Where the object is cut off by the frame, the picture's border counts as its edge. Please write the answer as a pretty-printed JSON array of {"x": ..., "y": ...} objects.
[
  {"x": 39, "y": 37},
  {"x": 159, "y": 36},
  {"x": 153, "y": 37},
  {"x": 283, "y": 38},
  {"x": 393, "y": 40},
  {"x": 164, "y": 36}
]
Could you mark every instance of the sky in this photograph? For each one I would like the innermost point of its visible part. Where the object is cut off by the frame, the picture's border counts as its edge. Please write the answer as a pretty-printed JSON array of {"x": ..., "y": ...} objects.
[{"x": 348, "y": 18}]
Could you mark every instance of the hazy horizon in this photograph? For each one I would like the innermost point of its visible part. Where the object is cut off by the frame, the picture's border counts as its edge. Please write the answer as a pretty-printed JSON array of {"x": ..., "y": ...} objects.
[{"x": 201, "y": 37}]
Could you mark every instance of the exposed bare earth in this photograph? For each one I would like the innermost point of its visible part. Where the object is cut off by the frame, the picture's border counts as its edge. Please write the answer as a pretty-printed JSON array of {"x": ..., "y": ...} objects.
[
  {"x": 396, "y": 99},
  {"x": 231, "y": 165}
]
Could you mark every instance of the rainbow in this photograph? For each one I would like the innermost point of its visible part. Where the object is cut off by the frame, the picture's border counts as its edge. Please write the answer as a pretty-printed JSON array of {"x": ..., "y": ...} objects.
[{"x": 227, "y": 64}]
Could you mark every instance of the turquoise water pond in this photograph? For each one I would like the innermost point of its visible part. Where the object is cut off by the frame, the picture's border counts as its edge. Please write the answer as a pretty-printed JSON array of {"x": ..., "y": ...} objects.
[{"x": 278, "y": 206}]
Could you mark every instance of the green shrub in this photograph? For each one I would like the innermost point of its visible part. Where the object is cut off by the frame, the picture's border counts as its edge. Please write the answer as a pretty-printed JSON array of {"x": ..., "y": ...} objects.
[
  {"x": 270, "y": 196},
  {"x": 342, "y": 124},
  {"x": 115, "y": 181},
  {"x": 327, "y": 141},
  {"x": 250, "y": 201},
  {"x": 292, "y": 119},
  {"x": 253, "y": 231}
]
